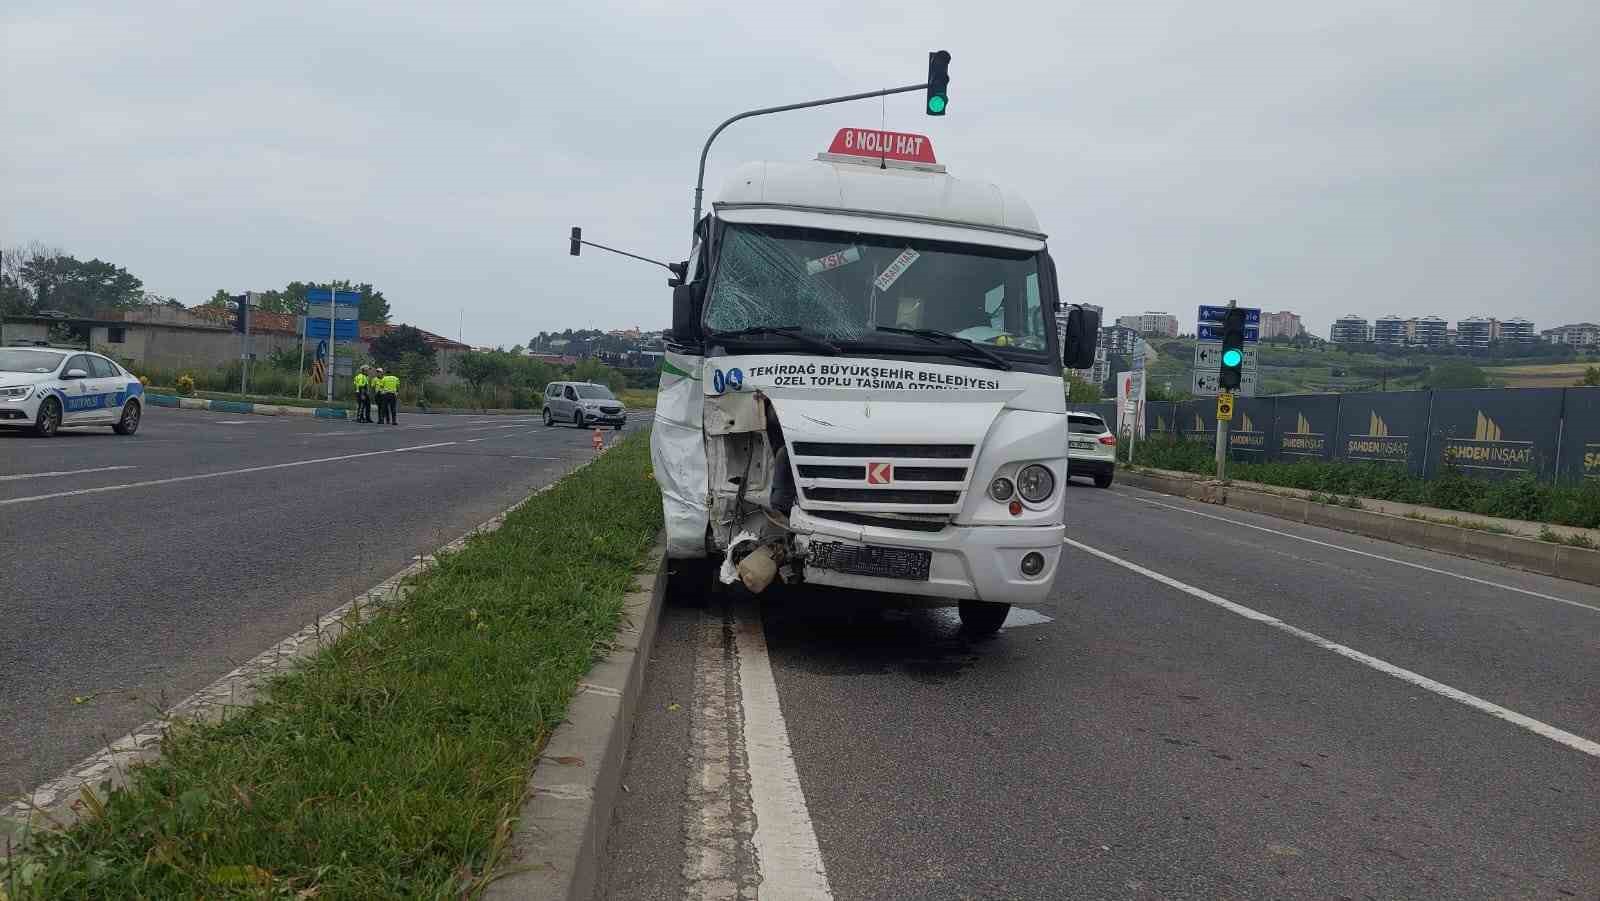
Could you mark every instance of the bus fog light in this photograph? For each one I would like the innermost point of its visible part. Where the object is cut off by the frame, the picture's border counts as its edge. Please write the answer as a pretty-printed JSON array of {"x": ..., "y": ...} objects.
[{"x": 1032, "y": 564}]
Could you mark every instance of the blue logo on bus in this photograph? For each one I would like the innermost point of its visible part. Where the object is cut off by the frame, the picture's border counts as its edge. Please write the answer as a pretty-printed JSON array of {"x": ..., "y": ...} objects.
[{"x": 732, "y": 380}]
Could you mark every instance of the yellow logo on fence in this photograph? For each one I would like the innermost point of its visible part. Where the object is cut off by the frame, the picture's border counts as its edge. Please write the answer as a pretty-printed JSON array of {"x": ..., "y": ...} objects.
[
  {"x": 1377, "y": 428},
  {"x": 1301, "y": 426},
  {"x": 1488, "y": 429},
  {"x": 1488, "y": 448},
  {"x": 1245, "y": 423}
]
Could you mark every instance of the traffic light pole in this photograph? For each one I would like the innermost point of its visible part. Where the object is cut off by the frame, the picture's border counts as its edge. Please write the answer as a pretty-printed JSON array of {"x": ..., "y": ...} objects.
[
  {"x": 700, "y": 181},
  {"x": 1222, "y": 449}
]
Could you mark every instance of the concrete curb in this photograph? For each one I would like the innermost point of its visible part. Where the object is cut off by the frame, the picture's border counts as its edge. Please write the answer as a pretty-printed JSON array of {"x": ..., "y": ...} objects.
[
  {"x": 560, "y": 837},
  {"x": 234, "y": 406},
  {"x": 1543, "y": 557}
]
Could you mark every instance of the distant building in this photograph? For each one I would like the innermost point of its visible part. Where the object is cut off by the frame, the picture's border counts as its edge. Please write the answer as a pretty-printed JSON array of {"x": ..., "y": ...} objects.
[
  {"x": 1118, "y": 339},
  {"x": 1350, "y": 330},
  {"x": 1151, "y": 324},
  {"x": 1517, "y": 330},
  {"x": 1429, "y": 331},
  {"x": 1478, "y": 332},
  {"x": 1281, "y": 325},
  {"x": 1389, "y": 329},
  {"x": 1475, "y": 332},
  {"x": 1581, "y": 334}
]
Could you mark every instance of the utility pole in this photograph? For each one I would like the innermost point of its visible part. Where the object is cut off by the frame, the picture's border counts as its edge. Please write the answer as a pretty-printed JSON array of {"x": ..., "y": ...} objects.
[{"x": 1222, "y": 449}]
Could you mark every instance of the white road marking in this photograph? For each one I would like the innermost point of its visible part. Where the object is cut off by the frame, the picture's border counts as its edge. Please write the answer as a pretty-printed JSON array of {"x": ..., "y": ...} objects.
[
  {"x": 1022, "y": 616},
  {"x": 233, "y": 421},
  {"x": 1560, "y": 736},
  {"x": 69, "y": 472},
  {"x": 1351, "y": 550},
  {"x": 216, "y": 475},
  {"x": 785, "y": 842},
  {"x": 470, "y": 440}
]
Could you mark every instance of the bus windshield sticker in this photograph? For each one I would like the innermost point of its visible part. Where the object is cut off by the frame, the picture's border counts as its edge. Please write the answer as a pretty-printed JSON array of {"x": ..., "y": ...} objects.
[
  {"x": 833, "y": 260},
  {"x": 892, "y": 273}
]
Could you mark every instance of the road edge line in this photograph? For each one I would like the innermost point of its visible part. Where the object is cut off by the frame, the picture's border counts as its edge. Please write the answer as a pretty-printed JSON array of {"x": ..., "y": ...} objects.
[
  {"x": 1544, "y": 558},
  {"x": 56, "y": 804},
  {"x": 572, "y": 790}
]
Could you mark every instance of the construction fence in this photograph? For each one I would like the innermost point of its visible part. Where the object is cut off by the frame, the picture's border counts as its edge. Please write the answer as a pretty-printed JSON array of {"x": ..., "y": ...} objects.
[{"x": 1550, "y": 433}]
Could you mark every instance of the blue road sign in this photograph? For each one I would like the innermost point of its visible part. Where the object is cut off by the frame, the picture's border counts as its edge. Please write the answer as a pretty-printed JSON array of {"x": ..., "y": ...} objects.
[
  {"x": 344, "y": 329},
  {"x": 1212, "y": 331},
  {"x": 327, "y": 295},
  {"x": 1252, "y": 315}
]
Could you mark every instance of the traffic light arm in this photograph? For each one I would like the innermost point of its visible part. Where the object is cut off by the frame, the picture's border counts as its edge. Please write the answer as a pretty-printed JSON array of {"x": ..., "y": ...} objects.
[
  {"x": 700, "y": 181},
  {"x": 667, "y": 266}
]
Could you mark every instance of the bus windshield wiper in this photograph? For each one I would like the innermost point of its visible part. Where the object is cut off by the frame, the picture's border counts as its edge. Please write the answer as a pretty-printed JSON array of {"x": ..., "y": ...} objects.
[
  {"x": 809, "y": 339},
  {"x": 973, "y": 347}
]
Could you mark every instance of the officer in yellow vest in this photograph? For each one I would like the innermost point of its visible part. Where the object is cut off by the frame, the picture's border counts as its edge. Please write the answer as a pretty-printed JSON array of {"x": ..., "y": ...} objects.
[
  {"x": 363, "y": 395},
  {"x": 389, "y": 390}
]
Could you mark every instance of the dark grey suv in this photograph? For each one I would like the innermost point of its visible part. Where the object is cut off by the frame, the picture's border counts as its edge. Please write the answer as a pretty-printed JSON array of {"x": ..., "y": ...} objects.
[{"x": 582, "y": 404}]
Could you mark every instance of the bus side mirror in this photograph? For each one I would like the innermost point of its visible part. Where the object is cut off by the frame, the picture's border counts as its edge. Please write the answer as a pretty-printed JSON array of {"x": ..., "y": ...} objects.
[
  {"x": 686, "y": 311},
  {"x": 1083, "y": 330}
]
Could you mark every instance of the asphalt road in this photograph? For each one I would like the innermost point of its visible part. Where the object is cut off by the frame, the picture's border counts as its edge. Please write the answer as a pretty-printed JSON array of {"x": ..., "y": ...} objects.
[
  {"x": 219, "y": 535},
  {"x": 1133, "y": 738}
]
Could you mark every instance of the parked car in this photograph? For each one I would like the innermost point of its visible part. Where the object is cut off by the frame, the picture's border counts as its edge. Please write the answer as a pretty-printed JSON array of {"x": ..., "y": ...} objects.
[
  {"x": 1091, "y": 448},
  {"x": 582, "y": 404},
  {"x": 47, "y": 388}
]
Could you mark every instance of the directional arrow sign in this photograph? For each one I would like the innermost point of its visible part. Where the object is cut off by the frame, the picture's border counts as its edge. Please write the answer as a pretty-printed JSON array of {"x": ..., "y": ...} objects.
[
  {"x": 1208, "y": 355},
  {"x": 1252, "y": 315},
  {"x": 880, "y": 473},
  {"x": 1212, "y": 331}
]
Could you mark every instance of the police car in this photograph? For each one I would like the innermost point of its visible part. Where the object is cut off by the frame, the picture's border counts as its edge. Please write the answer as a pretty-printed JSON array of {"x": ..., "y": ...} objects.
[{"x": 46, "y": 388}]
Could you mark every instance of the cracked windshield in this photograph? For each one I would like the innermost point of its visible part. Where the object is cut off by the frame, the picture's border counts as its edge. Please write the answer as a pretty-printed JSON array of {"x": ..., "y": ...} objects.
[{"x": 843, "y": 286}]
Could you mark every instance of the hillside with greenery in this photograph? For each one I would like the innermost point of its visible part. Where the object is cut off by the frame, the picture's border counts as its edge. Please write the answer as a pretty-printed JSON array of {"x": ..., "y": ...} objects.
[{"x": 1304, "y": 367}]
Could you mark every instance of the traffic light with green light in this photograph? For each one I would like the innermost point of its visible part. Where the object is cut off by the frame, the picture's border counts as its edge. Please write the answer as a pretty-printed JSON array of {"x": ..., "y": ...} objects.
[
  {"x": 1232, "y": 371},
  {"x": 938, "y": 82}
]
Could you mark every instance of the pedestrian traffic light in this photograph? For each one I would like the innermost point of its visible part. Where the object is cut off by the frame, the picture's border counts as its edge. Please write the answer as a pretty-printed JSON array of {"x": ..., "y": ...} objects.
[
  {"x": 938, "y": 82},
  {"x": 577, "y": 240},
  {"x": 241, "y": 312},
  {"x": 1232, "y": 371}
]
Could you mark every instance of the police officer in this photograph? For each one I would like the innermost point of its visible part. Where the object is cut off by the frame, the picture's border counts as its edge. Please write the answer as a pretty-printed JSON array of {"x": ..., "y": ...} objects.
[
  {"x": 363, "y": 395},
  {"x": 377, "y": 389},
  {"x": 390, "y": 386}
]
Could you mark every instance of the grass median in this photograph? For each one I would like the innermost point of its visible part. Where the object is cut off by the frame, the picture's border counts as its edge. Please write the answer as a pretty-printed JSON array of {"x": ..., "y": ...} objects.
[{"x": 391, "y": 763}]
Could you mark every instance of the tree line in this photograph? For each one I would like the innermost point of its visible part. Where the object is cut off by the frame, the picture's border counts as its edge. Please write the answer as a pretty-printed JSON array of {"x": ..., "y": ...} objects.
[{"x": 36, "y": 278}]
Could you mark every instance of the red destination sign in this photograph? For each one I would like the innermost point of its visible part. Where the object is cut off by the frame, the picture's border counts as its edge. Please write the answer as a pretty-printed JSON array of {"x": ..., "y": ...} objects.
[{"x": 875, "y": 144}]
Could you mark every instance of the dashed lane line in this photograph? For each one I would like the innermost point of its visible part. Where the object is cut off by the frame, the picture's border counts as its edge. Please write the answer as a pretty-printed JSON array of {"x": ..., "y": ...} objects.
[
  {"x": 216, "y": 475},
  {"x": 1545, "y": 730}
]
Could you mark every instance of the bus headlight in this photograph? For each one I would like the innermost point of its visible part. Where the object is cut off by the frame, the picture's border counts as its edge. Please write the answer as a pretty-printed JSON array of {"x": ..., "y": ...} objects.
[
  {"x": 1035, "y": 483},
  {"x": 1001, "y": 489}
]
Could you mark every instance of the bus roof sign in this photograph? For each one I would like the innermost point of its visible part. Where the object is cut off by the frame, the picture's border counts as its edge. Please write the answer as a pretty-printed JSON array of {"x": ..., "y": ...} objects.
[{"x": 875, "y": 144}]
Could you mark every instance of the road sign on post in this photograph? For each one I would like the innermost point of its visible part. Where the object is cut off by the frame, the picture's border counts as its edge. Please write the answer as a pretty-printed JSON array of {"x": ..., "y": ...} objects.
[
  {"x": 1224, "y": 407},
  {"x": 1210, "y": 322},
  {"x": 331, "y": 313}
]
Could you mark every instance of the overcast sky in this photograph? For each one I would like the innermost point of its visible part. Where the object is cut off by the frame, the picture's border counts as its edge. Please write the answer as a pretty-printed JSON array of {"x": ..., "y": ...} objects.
[{"x": 1411, "y": 157}]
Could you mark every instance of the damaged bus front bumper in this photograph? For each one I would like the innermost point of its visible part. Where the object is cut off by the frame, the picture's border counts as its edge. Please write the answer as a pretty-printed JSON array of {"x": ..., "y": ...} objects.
[{"x": 956, "y": 563}]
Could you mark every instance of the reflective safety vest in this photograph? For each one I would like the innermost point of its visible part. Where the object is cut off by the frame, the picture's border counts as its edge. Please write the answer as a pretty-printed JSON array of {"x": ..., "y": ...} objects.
[
  {"x": 389, "y": 384},
  {"x": 361, "y": 380}
]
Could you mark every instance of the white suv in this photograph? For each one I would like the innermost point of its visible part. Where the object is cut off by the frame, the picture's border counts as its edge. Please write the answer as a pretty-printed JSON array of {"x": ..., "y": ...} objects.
[
  {"x": 46, "y": 388},
  {"x": 1091, "y": 448}
]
